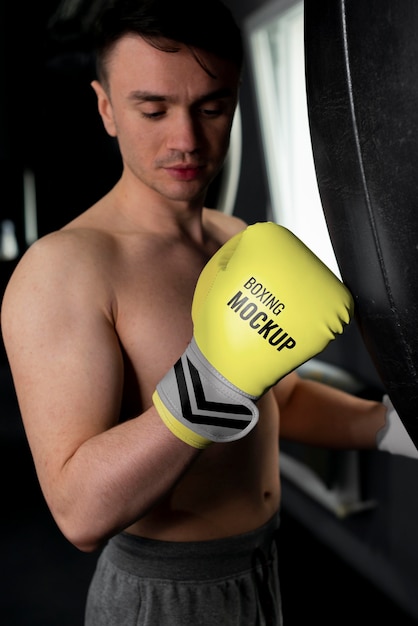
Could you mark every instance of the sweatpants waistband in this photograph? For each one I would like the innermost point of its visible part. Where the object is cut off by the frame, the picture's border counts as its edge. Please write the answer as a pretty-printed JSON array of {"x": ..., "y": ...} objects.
[{"x": 200, "y": 560}]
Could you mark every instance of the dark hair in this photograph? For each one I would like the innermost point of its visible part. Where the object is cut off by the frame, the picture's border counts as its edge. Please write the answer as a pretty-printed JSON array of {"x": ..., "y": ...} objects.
[{"x": 208, "y": 25}]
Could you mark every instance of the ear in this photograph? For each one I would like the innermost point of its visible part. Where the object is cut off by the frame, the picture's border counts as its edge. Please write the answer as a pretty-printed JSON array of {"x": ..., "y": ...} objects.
[{"x": 105, "y": 108}]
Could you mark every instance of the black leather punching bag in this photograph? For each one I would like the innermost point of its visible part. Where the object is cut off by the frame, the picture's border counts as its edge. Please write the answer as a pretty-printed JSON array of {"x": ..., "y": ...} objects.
[{"x": 362, "y": 90}]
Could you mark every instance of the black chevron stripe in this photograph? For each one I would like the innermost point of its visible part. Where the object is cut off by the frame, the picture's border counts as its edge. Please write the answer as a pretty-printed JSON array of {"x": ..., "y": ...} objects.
[{"x": 207, "y": 405}]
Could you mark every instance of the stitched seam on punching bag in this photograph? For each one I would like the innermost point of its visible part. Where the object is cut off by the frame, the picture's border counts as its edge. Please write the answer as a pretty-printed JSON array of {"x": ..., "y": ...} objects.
[{"x": 363, "y": 178}]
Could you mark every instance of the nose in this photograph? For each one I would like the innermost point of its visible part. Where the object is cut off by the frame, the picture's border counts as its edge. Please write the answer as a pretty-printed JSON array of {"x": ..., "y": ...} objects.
[{"x": 185, "y": 134}]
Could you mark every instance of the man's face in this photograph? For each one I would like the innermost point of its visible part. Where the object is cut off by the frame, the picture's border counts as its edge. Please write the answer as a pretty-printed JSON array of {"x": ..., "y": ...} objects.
[{"x": 171, "y": 118}]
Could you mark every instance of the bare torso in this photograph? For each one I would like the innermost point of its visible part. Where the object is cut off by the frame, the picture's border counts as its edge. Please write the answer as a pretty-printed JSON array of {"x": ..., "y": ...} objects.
[
  {"x": 231, "y": 488},
  {"x": 109, "y": 315}
]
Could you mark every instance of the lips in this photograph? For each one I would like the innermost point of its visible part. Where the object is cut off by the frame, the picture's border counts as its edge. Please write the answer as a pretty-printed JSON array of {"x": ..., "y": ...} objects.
[{"x": 182, "y": 172}]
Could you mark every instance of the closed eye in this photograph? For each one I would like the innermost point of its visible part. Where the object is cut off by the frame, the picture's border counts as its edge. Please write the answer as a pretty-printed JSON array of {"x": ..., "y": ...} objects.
[
  {"x": 212, "y": 111},
  {"x": 153, "y": 116}
]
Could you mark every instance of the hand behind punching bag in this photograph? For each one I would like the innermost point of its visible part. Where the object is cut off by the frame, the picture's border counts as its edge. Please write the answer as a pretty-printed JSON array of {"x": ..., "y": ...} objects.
[{"x": 362, "y": 90}]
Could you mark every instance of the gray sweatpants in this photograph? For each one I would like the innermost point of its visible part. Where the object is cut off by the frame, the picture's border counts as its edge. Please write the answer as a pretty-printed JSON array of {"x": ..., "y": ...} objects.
[{"x": 224, "y": 582}]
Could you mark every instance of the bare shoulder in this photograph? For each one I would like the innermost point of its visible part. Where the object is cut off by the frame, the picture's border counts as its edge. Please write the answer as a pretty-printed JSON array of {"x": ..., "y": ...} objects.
[
  {"x": 62, "y": 255},
  {"x": 52, "y": 271},
  {"x": 221, "y": 225}
]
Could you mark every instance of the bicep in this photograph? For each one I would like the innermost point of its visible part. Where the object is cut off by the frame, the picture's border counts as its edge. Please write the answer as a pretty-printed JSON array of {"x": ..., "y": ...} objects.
[{"x": 66, "y": 366}]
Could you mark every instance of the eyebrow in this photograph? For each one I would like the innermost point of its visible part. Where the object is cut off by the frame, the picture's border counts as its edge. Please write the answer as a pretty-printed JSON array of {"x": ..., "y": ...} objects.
[{"x": 147, "y": 96}]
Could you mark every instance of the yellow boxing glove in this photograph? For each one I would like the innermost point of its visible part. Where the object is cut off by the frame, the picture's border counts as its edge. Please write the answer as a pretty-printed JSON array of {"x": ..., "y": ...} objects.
[{"x": 263, "y": 305}]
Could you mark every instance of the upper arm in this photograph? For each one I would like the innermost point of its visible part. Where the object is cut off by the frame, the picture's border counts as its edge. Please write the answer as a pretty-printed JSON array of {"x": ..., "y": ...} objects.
[
  {"x": 284, "y": 389},
  {"x": 63, "y": 353}
]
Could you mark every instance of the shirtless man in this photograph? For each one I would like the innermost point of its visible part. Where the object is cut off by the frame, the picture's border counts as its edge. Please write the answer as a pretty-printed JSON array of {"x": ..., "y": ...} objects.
[{"x": 96, "y": 314}]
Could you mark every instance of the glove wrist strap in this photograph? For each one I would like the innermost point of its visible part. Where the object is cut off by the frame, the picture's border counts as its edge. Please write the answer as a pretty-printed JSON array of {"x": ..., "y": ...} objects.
[{"x": 194, "y": 396}]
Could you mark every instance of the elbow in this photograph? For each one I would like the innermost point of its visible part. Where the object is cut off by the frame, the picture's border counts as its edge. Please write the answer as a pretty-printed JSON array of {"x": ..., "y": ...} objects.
[
  {"x": 84, "y": 544},
  {"x": 83, "y": 535},
  {"x": 83, "y": 541}
]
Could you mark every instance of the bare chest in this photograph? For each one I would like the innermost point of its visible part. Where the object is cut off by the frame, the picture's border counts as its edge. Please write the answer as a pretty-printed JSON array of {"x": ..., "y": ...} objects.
[{"x": 154, "y": 324}]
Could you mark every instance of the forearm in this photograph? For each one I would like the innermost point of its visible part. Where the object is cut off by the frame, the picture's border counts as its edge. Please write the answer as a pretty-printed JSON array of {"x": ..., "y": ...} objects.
[
  {"x": 319, "y": 415},
  {"x": 114, "y": 478}
]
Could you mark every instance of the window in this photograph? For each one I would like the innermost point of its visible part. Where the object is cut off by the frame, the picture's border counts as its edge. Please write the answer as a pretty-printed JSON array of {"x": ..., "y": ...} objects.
[{"x": 275, "y": 38}]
